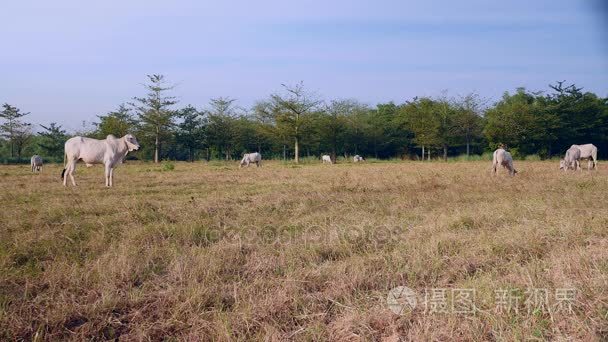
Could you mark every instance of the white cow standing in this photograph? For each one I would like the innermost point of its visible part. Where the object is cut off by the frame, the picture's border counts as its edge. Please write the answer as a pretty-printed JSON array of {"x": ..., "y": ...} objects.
[
  {"x": 251, "y": 158},
  {"x": 502, "y": 157},
  {"x": 326, "y": 159},
  {"x": 36, "y": 163},
  {"x": 589, "y": 152},
  {"x": 571, "y": 160},
  {"x": 358, "y": 158},
  {"x": 111, "y": 151}
]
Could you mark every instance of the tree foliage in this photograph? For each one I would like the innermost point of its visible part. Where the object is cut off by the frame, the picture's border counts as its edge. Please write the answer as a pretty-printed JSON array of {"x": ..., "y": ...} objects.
[
  {"x": 52, "y": 140},
  {"x": 154, "y": 112},
  {"x": 296, "y": 122},
  {"x": 16, "y": 131}
]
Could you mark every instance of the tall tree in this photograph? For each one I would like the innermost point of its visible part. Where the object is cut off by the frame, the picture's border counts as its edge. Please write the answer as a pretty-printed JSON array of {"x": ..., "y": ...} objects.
[
  {"x": 52, "y": 140},
  {"x": 333, "y": 124},
  {"x": 265, "y": 114},
  {"x": 221, "y": 130},
  {"x": 468, "y": 123},
  {"x": 118, "y": 122},
  {"x": 357, "y": 128},
  {"x": 293, "y": 109},
  {"x": 191, "y": 130},
  {"x": 154, "y": 111},
  {"x": 513, "y": 121},
  {"x": 423, "y": 121},
  {"x": 14, "y": 129}
]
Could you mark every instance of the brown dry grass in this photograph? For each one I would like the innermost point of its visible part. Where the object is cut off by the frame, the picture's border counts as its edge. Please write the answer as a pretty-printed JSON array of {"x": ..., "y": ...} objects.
[{"x": 299, "y": 252}]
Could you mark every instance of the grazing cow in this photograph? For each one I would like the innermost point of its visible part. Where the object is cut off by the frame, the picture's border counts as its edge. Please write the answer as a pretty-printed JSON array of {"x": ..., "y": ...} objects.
[
  {"x": 251, "y": 158},
  {"x": 36, "y": 163},
  {"x": 111, "y": 151},
  {"x": 571, "y": 160},
  {"x": 358, "y": 158},
  {"x": 589, "y": 152},
  {"x": 502, "y": 157},
  {"x": 326, "y": 159}
]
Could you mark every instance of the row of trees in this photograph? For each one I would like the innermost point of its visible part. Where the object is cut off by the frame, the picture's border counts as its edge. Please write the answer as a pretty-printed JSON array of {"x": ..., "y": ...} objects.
[{"x": 297, "y": 122}]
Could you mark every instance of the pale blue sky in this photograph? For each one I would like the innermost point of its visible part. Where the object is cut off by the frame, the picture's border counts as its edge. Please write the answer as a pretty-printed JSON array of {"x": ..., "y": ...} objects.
[{"x": 67, "y": 61}]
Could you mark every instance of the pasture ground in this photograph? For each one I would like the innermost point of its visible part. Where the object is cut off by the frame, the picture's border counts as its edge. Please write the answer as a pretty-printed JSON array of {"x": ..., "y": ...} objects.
[{"x": 287, "y": 252}]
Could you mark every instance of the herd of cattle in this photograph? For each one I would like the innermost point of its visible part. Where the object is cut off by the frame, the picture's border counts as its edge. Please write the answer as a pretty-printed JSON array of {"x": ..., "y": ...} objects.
[{"x": 111, "y": 151}]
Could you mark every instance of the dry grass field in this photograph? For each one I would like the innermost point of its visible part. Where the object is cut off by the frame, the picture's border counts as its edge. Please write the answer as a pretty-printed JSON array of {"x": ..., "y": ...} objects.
[{"x": 306, "y": 253}]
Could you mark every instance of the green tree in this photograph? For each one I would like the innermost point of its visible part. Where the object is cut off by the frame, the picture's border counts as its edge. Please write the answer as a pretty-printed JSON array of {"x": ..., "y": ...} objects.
[
  {"x": 292, "y": 111},
  {"x": 52, "y": 140},
  {"x": 522, "y": 122},
  {"x": 154, "y": 111},
  {"x": 582, "y": 117},
  {"x": 333, "y": 124},
  {"x": 357, "y": 128},
  {"x": 221, "y": 129},
  {"x": 422, "y": 120},
  {"x": 14, "y": 129},
  {"x": 468, "y": 122},
  {"x": 190, "y": 133},
  {"x": 267, "y": 131},
  {"x": 118, "y": 122}
]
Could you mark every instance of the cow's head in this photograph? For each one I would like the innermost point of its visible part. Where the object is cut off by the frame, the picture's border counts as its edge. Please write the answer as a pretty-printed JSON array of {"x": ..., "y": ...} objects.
[
  {"x": 562, "y": 164},
  {"x": 132, "y": 143}
]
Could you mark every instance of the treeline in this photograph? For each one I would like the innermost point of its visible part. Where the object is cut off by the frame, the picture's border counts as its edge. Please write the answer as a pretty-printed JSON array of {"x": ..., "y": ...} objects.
[{"x": 297, "y": 123}]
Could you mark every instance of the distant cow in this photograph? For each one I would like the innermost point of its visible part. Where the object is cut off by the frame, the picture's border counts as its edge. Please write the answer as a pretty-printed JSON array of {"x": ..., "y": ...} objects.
[
  {"x": 503, "y": 158},
  {"x": 589, "y": 152},
  {"x": 572, "y": 159},
  {"x": 326, "y": 159},
  {"x": 111, "y": 151},
  {"x": 251, "y": 158},
  {"x": 358, "y": 158},
  {"x": 36, "y": 163}
]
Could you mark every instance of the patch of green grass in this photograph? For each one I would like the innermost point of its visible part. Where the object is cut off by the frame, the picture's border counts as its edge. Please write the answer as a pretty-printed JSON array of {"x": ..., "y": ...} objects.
[{"x": 168, "y": 166}]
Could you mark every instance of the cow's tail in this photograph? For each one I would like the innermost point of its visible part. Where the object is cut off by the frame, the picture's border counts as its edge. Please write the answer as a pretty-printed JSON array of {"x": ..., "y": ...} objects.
[{"x": 64, "y": 166}]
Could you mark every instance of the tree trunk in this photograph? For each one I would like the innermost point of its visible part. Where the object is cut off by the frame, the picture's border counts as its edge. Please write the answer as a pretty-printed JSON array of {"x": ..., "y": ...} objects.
[
  {"x": 445, "y": 152},
  {"x": 156, "y": 147},
  {"x": 429, "y": 154},
  {"x": 468, "y": 148},
  {"x": 422, "y": 152},
  {"x": 297, "y": 151},
  {"x": 284, "y": 152}
]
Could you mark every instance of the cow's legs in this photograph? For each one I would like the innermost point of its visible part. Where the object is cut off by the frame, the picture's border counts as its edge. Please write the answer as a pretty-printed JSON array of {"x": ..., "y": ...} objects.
[
  {"x": 108, "y": 173},
  {"x": 69, "y": 171},
  {"x": 112, "y": 177},
  {"x": 65, "y": 174}
]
